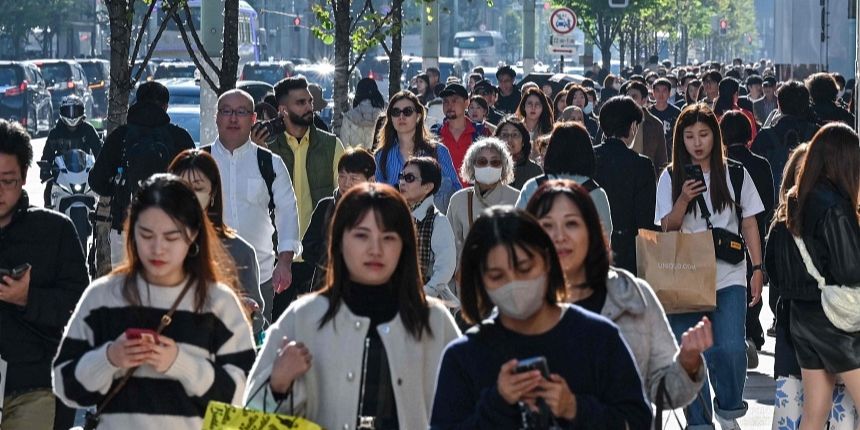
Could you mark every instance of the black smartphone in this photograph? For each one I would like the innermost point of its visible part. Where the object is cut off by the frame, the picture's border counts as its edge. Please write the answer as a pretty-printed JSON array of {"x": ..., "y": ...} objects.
[
  {"x": 534, "y": 363},
  {"x": 694, "y": 171},
  {"x": 15, "y": 273}
]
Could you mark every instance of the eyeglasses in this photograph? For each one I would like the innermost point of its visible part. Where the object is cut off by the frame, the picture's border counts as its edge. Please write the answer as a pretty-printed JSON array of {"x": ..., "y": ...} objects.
[
  {"x": 509, "y": 136},
  {"x": 407, "y": 112},
  {"x": 8, "y": 184},
  {"x": 483, "y": 162},
  {"x": 237, "y": 112},
  {"x": 408, "y": 177}
]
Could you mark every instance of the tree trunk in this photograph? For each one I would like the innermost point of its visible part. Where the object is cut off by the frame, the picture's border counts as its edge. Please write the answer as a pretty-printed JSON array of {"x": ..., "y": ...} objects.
[
  {"x": 120, "y": 79},
  {"x": 606, "y": 53},
  {"x": 395, "y": 60},
  {"x": 342, "y": 48},
  {"x": 230, "y": 51},
  {"x": 622, "y": 45},
  {"x": 685, "y": 43}
]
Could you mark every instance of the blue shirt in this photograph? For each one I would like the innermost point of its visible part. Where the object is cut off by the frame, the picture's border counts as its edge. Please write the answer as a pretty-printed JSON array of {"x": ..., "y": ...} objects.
[{"x": 394, "y": 165}]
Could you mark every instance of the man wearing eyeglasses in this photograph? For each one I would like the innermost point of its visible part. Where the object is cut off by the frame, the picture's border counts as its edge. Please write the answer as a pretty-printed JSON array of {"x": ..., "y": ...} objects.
[
  {"x": 44, "y": 275},
  {"x": 133, "y": 152},
  {"x": 247, "y": 197}
]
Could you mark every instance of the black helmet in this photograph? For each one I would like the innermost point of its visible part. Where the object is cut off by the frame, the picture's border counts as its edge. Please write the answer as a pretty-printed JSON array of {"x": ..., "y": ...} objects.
[{"x": 72, "y": 110}]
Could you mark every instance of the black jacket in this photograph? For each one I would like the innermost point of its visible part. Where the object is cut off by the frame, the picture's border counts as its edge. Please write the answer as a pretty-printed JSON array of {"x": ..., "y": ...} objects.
[
  {"x": 776, "y": 142},
  {"x": 109, "y": 160},
  {"x": 508, "y": 104},
  {"x": 832, "y": 236},
  {"x": 628, "y": 179},
  {"x": 29, "y": 336},
  {"x": 830, "y": 112},
  {"x": 761, "y": 175},
  {"x": 61, "y": 139},
  {"x": 315, "y": 240}
]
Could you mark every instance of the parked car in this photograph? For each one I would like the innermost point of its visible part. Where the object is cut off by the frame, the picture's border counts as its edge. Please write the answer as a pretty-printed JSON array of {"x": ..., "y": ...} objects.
[
  {"x": 178, "y": 69},
  {"x": 187, "y": 117},
  {"x": 98, "y": 76},
  {"x": 377, "y": 68},
  {"x": 148, "y": 71},
  {"x": 24, "y": 97},
  {"x": 183, "y": 92},
  {"x": 65, "y": 78},
  {"x": 257, "y": 89},
  {"x": 267, "y": 71}
]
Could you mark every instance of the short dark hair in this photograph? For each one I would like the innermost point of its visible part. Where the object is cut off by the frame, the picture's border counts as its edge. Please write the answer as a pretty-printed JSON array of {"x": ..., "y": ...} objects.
[
  {"x": 479, "y": 70},
  {"x": 506, "y": 70},
  {"x": 664, "y": 82},
  {"x": 357, "y": 160},
  {"x": 14, "y": 140},
  {"x": 284, "y": 86},
  {"x": 713, "y": 76},
  {"x": 569, "y": 151},
  {"x": 431, "y": 171},
  {"x": 754, "y": 80},
  {"x": 822, "y": 87},
  {"x": 617, "y": 114},
  {"x": 840, "y": 80},
  {"x": 152, "y": 92},
  {"x": 264, "y": 110},
  {"x": 433, "y": 71},
  {"x": 507, "y": 227},
  {"x": 792, "y": 98},
  {"x": 638, "y": 86},
  {"x": 735, "y": 127}
]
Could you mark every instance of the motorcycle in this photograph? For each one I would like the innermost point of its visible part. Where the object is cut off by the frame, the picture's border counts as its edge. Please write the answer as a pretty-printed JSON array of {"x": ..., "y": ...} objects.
[{"x": 70, "y": 192}]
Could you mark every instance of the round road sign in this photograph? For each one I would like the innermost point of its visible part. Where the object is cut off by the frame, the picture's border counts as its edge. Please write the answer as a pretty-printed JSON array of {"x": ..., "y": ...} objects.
[{"x": 562, "y": 20}]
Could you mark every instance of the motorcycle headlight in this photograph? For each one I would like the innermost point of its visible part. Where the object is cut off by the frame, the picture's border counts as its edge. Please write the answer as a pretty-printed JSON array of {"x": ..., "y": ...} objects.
[{"x": 78, "y": 188}]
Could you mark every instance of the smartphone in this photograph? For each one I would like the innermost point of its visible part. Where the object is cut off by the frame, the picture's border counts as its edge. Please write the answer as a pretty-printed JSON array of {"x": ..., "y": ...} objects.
[
  {"x": 534, "y": 363},
  {"x": 15, "y": 273},
  {"x": 694, "y": 171},
  {"x": 142, "y": 333}
]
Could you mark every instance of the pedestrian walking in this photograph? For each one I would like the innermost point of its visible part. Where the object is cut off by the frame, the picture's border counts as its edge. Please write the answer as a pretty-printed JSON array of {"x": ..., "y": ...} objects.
[
  {"x": 366, "y": 348},
  {"x": 513, "y": 132},
  {"x": 536, "y": 113},
  {"x": 136, "y": 334},
  {"x": 359, "y": 123},
  {"x": 535, "y": 362}
]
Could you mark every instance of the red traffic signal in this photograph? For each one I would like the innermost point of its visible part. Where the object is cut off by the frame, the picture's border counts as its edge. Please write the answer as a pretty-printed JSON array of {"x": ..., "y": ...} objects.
[
  {"x": 723, "y": 24},
  {"x": 297, "y": 21}
]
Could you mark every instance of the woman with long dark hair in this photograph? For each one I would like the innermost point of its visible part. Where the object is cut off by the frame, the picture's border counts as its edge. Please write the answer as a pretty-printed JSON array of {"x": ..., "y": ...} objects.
[
  {"x": 728, "y": 193},
  {"x": 577, "y": 95},
  {"x": 535, "y": 111},
  {"x": 567, "y": 214},
  {"x": 512, "y": 286},
  {"x": 821, "y": 210},
  {"x": 359, "y": 123},
  {"x": 203, "y": 352},
  {"x": 512, "y": 131},
  {"x": 405, "y": 135},
  {"x": 367, "y": 346},
  {"x": 728, "y": 100}
]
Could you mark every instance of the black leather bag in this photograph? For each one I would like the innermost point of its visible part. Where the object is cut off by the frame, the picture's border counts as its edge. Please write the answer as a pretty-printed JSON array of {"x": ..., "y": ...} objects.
[{"x": 728, "y": 246}]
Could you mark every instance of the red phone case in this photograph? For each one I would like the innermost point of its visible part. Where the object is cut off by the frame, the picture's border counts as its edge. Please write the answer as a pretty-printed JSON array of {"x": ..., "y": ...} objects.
[{"x": 145, "y": 333}]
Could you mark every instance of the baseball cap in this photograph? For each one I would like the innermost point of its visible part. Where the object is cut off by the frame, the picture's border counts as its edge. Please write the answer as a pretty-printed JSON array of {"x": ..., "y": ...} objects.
[
  {"x": 483, "y": 86},
  {"x": 454, "y": 89}
]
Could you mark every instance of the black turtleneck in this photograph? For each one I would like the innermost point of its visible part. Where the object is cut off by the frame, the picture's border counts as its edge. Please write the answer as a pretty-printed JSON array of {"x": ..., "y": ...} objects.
[{"x": 377, "y": 302}]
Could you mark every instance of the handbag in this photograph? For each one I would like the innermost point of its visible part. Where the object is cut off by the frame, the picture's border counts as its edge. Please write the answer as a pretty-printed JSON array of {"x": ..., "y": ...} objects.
[
  {"x": 224, "y": 416},
  {"x": 680, "y": 267},
  {"x": 91, "y": 419},
  {"x": 841, "y": 303},
  {"x": 728, "y": 246}
]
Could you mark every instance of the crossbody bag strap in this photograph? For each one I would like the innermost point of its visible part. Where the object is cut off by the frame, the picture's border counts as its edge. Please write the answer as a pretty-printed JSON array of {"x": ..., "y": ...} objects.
[
  {"x": 166, "y": 319},
  {"x": 471, "y": 194},
  {"x": 706, "y": 214},
  {"x": 807, "y": 261}
]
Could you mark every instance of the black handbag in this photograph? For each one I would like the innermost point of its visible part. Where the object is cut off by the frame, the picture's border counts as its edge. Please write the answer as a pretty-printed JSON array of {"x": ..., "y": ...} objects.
[{"x": 728, "y": 246}]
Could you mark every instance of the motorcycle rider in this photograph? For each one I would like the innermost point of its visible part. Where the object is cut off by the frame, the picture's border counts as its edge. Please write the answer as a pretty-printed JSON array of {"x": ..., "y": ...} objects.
[{"x": 71, "y": 132}]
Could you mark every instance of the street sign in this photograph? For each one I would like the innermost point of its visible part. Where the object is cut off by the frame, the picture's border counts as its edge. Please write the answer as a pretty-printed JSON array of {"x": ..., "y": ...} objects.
[
  {"x": 562, "y": 44},
  {"x": 562, "y": 21}
]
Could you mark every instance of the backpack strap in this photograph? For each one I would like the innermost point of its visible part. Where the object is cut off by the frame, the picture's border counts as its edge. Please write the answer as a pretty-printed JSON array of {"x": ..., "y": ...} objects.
[
  {"x": 267, "y": 171},
  {"x": 590, "y": 185},
  {"x": 736, "y": 177},
  {"x": 471, "y": 194},
  {"x": 541, "y": 179}
]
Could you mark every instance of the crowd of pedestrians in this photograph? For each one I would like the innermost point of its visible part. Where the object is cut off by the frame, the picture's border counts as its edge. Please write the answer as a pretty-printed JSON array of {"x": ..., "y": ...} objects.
[{"x": 475, "y": 271}]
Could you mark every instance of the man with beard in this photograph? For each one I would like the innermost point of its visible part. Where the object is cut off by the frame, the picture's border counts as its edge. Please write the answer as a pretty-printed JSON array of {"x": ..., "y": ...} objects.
[{"x": 457, "y": 132}]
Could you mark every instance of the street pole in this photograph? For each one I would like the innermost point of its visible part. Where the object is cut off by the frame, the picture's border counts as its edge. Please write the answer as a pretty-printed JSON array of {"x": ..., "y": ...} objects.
[
  {"x": 528, "y": 35},
  {"x": 211, "y": 35},
  {"x": 430, "y": 35}
]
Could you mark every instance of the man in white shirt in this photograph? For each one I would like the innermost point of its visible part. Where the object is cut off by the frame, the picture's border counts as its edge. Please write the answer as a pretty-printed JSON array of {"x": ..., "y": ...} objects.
[{"x": 246, "y": 195}]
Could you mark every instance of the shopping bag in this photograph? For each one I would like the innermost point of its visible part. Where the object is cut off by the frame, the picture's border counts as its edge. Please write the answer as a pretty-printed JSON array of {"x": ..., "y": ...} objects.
[
  {"x": 223, "y": 416},
  {"x": 680, "y": 267}
]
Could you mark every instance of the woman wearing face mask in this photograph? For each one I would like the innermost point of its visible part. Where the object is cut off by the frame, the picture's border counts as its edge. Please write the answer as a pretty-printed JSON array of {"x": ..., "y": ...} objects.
[
  {"x": 567, "y": 214},
  {"x": 577, "y": 96},
  {"x": 199, "y": 169},
  {"x": 509, "y": 262},
  {"x": 512, "y": 131},
  {"x": 204, "y": 351},
  {"x": 536, "y": 113},
  {"x": 698, "y": 142},
  {"x": 489, "y": 167},
  {"x": 366, "y": 348}
]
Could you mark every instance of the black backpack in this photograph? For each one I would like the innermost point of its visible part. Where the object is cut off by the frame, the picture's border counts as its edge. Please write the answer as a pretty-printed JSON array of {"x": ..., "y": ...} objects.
[{"x": 145, "y": 151}]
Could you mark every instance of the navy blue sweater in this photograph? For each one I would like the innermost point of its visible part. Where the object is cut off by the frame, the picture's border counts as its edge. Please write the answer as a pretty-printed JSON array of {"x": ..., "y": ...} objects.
[{"x": 585, "y": 349}]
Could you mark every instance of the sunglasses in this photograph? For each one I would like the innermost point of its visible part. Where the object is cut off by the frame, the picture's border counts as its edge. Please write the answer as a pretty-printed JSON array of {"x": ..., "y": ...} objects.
[
  {"x": 408, "y": 177},
  {"x": 407, "y": 112},
  {"x": 483, "y": 162}
]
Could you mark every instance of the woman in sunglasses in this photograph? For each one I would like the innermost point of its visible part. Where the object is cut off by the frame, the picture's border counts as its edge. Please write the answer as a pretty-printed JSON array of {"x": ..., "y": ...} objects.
[
  {"x": 404, "y": 136},
  {"x": 419, "y": 182}
]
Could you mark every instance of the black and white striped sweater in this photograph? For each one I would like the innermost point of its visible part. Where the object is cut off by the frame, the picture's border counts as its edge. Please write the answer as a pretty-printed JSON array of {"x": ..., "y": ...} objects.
[{"x": 216, "y": 351}]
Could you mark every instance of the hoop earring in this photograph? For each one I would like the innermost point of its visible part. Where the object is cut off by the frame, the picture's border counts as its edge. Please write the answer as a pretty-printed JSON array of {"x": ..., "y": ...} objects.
[{"x": 195, "y": 250}]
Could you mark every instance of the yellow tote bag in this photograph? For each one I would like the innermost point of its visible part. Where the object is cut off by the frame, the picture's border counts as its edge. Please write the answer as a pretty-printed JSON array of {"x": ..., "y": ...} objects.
[{"x": 223, "y": 416}]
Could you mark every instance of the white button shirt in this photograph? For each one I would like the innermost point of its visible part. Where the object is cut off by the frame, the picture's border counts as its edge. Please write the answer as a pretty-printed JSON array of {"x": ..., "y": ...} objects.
[{"x": 246, "y": 203}]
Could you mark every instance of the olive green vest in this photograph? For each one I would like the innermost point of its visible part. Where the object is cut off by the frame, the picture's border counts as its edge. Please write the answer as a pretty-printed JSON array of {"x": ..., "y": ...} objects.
[{"x": 320, "y": 161}]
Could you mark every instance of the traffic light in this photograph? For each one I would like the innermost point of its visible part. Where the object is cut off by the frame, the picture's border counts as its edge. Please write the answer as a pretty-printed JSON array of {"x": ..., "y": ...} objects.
[
  {"x": 297, "y": 22},
  {"x": 724, "y": 27},
  {"x": 619, "y": 3}
]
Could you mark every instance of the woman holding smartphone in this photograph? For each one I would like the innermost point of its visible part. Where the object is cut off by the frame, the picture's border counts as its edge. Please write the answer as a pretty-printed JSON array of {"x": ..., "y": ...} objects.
[
  {"x": 585, "y": 375},
  {"x": 699, "y": 178},
  {"x": 365, "y": 348},
  {"x": 202, "y": 354}
]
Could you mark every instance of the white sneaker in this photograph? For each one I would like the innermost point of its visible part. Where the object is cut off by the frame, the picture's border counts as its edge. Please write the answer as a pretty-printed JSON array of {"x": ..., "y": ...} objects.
[{"x": 725, "y": 424}]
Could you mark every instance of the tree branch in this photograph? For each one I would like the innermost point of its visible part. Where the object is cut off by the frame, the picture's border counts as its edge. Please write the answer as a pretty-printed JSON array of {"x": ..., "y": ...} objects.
[
  {"x": 373, "y": 34},
  {"x": 171, "y": 12},
  {"x": 194, "y": 58},
  {"x": 137, "y": 42},
  {"x": 360, "y": 14},
  {"x": 206, "y": 57}
]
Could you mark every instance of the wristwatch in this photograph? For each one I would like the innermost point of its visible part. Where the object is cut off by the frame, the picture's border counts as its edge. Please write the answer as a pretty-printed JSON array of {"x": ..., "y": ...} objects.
[{"x": 760, "y": 268}]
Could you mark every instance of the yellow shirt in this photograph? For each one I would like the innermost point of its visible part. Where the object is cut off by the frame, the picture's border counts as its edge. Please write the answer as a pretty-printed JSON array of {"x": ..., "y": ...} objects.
[{"x": 300, "y": 178}]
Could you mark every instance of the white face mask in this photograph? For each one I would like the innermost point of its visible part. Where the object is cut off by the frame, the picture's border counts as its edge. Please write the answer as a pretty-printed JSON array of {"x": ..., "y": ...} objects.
[
  {"x": 488, "y": 175},
  {"x": 520, "y": 299},
  {"x": 588, "y": 109},
  {"x": 617, "y": 86},
  {"x": 204, "y": 199}
]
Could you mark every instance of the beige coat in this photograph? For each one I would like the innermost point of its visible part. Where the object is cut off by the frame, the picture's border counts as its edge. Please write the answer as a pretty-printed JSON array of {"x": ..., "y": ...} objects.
[
  {"x": 328, "y": 393},
  {"x": 632, "y": 305},
  {"x": 458, "y": 209}
]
